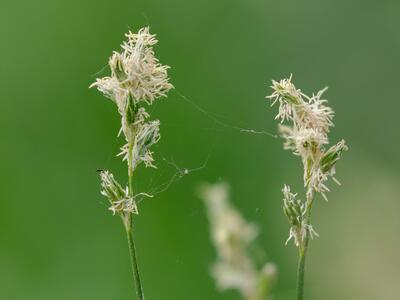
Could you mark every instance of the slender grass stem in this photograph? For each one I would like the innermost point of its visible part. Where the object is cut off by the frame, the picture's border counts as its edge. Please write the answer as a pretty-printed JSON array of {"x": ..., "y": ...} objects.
[
  {"x": 135, "y": 269},
  {"x": 303, "y": 253},
  {"x": 301, "y": 270},
  {"x": 129, "y": 234},
  {"x": 130, "y": 171}
]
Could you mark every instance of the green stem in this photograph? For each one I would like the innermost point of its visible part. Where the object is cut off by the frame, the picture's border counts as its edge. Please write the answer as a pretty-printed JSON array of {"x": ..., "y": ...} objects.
[
  {"x": 135, "y": 269},
  {"x": 129, "y": 234},
  {"x": 303, "y": 252},
  {"x": 301, "y": 270},
  {"x": 130, "y": 171}
]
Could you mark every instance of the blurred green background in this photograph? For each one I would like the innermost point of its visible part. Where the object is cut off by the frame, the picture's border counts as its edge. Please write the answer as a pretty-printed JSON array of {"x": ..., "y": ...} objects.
[{"x": 57, "y": 239}]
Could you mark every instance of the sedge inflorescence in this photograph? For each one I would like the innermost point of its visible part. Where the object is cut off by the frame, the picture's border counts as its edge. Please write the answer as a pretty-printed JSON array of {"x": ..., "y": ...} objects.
[
  {"x": 305, "y": 125},
  {"x": 137, "y": 79}
]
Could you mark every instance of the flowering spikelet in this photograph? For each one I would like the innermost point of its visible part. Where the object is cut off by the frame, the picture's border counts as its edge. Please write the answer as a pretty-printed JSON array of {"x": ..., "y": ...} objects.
[
  {"x": 295, "y": 210},
  {"x": 119, "y": 198},
  {"x": 305, "y": 111},
  {"x": 135, "y": 71},
  {"x": 287, "y": 95},
  {"x": 231, "y": 236},
  {"x": 147, "y": 135},
  {"x": 308, "y": 122}
]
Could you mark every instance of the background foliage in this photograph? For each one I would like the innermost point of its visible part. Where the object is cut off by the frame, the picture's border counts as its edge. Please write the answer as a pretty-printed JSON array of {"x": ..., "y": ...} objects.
[{"x": 57, "y": 239}]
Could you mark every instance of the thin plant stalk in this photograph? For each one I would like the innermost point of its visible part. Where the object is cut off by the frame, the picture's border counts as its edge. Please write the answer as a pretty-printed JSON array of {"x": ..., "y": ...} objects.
[
  {"x": 302, "y": 255},
  {"x": 300, "y": 273},
  {"x": 135, "y": 268},
  {"x": 129, "y": 234}
]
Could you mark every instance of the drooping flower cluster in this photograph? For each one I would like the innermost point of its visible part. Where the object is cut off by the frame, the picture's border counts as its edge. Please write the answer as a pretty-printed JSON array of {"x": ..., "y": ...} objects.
[
  {"x": 307, "y": 124},
  {"x": 137, "y": 79},
  {"x": 232, "y": 236}
]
